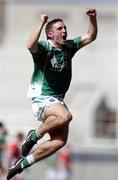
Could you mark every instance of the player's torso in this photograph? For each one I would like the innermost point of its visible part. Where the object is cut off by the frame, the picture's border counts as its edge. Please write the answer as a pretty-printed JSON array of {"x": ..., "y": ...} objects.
[{"x": 54, "y": 75}]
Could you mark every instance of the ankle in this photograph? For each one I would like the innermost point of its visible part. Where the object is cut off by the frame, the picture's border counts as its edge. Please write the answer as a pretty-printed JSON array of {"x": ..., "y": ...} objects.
[
  {"x": 35, "y": 135},
  {"x": 28, "y": 161},
  {"x": 25, "y": 163}
]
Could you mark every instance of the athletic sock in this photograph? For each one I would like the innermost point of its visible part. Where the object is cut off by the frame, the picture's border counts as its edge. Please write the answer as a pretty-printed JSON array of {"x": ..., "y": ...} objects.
[
  {"x": 28, "y": 161},
  {"x": 36, "y": 135},
  {"x": 24, "y": 163}
]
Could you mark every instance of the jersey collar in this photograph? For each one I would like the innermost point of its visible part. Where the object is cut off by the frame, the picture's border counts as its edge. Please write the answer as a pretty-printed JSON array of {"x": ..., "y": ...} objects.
[{"x": 51, "y": 43}]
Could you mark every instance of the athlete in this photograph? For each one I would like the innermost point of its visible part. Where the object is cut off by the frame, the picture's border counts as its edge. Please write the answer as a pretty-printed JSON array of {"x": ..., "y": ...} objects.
[{"x": 50, "y": 82}]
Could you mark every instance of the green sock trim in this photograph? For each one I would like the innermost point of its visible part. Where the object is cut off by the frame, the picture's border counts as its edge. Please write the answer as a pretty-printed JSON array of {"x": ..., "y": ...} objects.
[
  {"x": 25, "y": 164},
  {"x": 34, "y": 137},
  {"x": 37, "y": 134}
]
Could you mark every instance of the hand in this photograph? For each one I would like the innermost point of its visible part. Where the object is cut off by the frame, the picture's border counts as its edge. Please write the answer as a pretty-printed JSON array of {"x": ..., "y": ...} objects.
[
  {"x": 91, "y": 12},
  {"x": 44, "y": 18}
]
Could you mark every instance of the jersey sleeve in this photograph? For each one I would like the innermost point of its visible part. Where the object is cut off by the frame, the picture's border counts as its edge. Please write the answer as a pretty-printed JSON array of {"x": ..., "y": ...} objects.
[
  {"x": 77, "y": 41},
  {"x": 73, "y": 45},
  {"x": 41, "y": 48},
  {"x": 41, "y": 51}
]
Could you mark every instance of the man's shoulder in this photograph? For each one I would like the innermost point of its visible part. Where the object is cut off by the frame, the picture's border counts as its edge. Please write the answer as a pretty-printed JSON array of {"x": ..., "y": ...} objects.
[
  {"x": 42, "y": 42},
  {"x": 71, "y": 43},
  {"x": 46, "y": 44}
]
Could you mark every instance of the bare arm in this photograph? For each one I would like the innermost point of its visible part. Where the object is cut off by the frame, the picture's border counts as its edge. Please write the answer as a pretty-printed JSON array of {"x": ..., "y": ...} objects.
[
  {"x": 92, "y": 29},
  {"x": 32, "y": 44}
]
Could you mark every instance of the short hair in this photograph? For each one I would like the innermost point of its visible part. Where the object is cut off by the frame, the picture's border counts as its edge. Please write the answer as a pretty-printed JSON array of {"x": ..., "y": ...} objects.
[
  {"x": 20, "y": 136},
  {"x": 49, "y": 25}
]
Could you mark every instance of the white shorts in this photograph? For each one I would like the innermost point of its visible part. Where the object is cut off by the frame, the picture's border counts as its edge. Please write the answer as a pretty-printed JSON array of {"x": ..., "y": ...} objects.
[{"x": 39, "y": 105}]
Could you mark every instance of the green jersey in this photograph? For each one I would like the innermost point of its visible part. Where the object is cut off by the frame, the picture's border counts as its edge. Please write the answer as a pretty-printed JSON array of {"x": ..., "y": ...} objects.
[{"x": 52, "y": 68}]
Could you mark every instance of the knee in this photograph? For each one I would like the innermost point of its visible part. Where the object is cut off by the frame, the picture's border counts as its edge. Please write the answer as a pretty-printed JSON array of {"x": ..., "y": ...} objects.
[
  {"x": 61, "y": 143},
  {"x": 66, "y": 118},
  {"x": 63, "y": 140}
]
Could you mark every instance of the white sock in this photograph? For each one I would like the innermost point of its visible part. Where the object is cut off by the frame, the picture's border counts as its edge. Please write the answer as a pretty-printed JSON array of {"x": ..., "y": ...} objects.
[{"x": 30, "y": 159}]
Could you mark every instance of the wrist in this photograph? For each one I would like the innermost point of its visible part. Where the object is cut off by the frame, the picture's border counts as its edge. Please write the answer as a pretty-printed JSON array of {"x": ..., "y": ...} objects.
[
  {"x": 93, "y": 18},
  {"x": 41, "y": 24}
]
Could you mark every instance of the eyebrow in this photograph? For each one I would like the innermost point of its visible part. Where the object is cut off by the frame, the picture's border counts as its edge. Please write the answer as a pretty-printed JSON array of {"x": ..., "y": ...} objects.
[{"x": 61, "y": 27}]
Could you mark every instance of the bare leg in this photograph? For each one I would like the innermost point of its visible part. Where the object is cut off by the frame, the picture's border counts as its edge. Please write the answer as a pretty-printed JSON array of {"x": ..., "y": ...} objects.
[
  {"x": 57, "y": 115},
  {"x": 58, "y": 140}
]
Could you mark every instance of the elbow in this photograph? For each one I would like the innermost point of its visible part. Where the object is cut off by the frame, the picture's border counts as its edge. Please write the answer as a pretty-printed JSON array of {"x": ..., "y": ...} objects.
[
  {"x": 93, "y": 37},
  {"x": 32, "y": 47},
  {"x": 29, "y": 47}
]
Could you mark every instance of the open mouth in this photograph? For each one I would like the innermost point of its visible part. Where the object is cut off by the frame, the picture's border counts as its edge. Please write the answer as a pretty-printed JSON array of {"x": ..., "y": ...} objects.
[{"x": 64, "y": 37}]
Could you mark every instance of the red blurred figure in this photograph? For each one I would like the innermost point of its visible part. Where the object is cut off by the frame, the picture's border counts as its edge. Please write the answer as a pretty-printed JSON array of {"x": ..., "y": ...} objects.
[
  {"x": 64, "y": 163},
  {"x": 14, "y": 152},
  {"x": 3, "y": 133}
]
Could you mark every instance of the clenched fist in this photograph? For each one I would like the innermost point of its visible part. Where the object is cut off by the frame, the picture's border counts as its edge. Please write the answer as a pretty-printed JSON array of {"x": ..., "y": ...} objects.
[
  {"x": 91, "y": 12},
  {"x": 44, "y": 18}
]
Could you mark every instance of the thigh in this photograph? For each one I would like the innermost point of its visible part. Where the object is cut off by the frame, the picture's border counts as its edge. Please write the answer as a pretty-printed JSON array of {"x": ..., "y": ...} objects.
[
  {"x": 42, "y": 103},
  {"x": 57, "y": 109}
]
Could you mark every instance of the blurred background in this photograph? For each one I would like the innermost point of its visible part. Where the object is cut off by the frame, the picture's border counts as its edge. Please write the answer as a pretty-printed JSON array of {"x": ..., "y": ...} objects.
[{"x": 92, "y": 149}]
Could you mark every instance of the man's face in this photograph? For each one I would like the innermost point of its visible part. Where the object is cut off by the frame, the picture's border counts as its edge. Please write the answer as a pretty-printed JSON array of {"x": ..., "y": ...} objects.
[{"x": 58, "y": 34}]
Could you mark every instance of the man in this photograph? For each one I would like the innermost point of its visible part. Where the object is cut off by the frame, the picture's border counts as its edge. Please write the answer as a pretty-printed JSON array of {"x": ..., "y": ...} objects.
[{"x": 49, "y": 84}]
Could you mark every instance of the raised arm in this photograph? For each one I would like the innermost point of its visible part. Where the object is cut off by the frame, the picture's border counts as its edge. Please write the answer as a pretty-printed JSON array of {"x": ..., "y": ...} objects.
[
  {"x": 32, "y": 44},
  {"x": 92, "y": 29}
]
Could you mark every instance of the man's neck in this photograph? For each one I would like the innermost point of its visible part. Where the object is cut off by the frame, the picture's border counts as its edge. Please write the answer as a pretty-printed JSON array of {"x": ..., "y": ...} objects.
[{"x": 54, "y": 45}]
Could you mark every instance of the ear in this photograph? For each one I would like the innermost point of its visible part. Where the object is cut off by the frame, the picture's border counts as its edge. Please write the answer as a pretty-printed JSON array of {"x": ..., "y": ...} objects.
[{"x": 50, "y": 34}]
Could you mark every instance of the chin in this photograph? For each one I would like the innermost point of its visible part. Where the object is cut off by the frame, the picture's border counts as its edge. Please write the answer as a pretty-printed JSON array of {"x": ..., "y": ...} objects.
[{"x": 64, "y": 42}]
